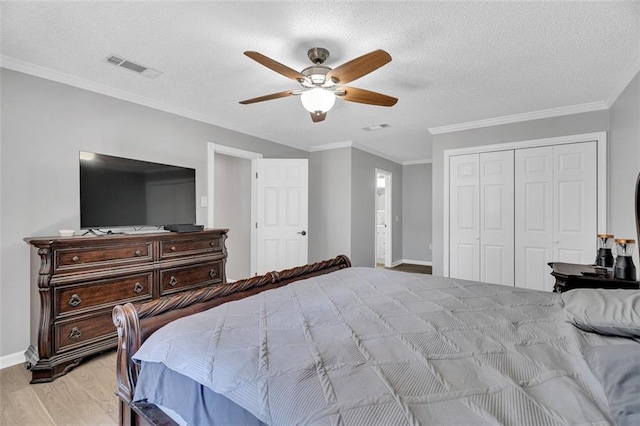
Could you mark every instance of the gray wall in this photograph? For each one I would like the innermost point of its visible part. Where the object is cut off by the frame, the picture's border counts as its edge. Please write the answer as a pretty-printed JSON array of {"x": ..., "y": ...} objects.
[
  {"x": 44, "y": 125},
  {"x": 535, "y": 129},
  {"x": 329, "y": 204},
  {"x": 363, "y": 205},
  {"x": 232, "y": 210},
  {"x": 416, "y": 212},
  {"x": 624, "y": 162}
]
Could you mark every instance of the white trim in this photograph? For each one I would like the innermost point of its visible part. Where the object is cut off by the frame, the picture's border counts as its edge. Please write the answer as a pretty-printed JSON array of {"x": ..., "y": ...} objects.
[
  {"x": 516, "y": 118},
  {"x": 12, "y": 359},
  {"x": 212, "y": 149},
  {"x": 417, "y": 262},
  {"x": 388, "y": 193},
  {"x": 103, "y": 89},
  {"x": 330, "y": 146},
  {"x": 376, "y": 153},
  {"x": 602, "y": 194},
  {"x": 394, "y": 264},
  {"x": 414, "y": 162}
]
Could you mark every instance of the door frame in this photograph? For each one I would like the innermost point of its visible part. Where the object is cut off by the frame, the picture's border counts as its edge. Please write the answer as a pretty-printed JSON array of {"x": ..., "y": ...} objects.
[
  {"x": 389, "y": 219},
  {"x": 601, "y": 191},
  {"x": 212, "y": 149}
]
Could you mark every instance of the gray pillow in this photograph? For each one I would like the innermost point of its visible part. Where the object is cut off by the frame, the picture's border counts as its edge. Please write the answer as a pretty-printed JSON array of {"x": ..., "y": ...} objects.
[
  {"x": 617, "y": 367},
  {"x": 609, "y": 312}
]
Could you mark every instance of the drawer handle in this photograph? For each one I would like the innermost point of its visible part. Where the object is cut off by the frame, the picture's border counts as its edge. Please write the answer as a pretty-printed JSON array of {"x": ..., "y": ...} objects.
[
  {"x": 75, "y": 300},
  {"x": 138, "y": 288},
  {"x": 212, "y": 273},
  {"x": 173, "y": 248},
  {"x": 75, "y": 258},
  {"x": 75, "y": 333},
  {"x": 138, "y": 253},
  {"x": 173, "y": 281},
  {"x": 213, "y": 244}
]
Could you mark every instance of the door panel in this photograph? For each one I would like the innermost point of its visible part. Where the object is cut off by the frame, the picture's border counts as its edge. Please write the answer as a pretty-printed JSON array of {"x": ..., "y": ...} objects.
[
  {"x": 282, "y": 214},
  {"x": 575, "y": 215},
  {"x": 533, "y": 217},
  {"x": 465, "y": 217},
  {"x": 496, "y": 217}
]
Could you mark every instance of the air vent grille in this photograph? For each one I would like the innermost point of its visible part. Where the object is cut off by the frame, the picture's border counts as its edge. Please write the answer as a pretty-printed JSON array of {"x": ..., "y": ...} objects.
[
  {"x": 132, "y": 66},
  {"x": 375, "y": 127}
]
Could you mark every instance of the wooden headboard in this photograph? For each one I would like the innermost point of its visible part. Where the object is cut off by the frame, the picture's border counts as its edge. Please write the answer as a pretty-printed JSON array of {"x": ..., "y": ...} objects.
[
  {"x": 638, "y": 208},
  {"x": 135, "y": 323}
]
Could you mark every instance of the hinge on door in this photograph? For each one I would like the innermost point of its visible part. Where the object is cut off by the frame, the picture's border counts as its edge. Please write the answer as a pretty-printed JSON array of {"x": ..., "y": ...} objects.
[
  {"x": 256, "y": 225},
  {"x": 256, "y": 175}
]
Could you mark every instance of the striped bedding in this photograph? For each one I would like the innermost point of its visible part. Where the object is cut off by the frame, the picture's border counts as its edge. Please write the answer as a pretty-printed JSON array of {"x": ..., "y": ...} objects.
[{"x": 365, "y": 346}]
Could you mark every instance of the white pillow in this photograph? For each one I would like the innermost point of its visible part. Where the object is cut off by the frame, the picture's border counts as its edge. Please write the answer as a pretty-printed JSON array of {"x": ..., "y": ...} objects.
[{"x": 609, "y": 312}]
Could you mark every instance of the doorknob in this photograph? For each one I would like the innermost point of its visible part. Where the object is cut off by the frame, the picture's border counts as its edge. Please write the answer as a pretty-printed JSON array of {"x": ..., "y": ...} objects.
[{"x": 303, "y": 233}]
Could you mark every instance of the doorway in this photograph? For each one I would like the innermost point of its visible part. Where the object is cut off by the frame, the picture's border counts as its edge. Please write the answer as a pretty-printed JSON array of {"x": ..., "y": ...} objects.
[{"x": 383, "y": 223}]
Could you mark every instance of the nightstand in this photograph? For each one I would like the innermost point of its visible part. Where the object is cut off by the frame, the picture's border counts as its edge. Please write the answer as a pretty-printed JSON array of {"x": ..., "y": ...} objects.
[{"x": 571, "y": 275}]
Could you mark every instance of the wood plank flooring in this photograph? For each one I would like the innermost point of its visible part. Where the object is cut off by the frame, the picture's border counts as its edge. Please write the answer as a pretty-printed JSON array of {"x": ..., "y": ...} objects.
[
  {"x": 85, "y": 396},
  {"x": 416, "y": 269}
]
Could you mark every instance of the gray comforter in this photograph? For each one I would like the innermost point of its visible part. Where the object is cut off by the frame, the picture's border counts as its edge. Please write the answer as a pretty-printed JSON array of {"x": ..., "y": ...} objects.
[{"x": 365, "y": 346}]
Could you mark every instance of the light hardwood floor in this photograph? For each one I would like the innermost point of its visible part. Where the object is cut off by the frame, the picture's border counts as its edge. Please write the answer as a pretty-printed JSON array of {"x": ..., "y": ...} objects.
[{"x": 85, "y": 396}]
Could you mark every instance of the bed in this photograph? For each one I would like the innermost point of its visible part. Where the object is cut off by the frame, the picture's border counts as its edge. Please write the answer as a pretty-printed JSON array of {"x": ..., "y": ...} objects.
[{"x": 328, "y": 343}]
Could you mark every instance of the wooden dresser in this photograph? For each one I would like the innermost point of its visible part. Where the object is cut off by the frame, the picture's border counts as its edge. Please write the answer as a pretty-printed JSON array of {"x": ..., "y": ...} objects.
[{"x": 76, "y": 282}]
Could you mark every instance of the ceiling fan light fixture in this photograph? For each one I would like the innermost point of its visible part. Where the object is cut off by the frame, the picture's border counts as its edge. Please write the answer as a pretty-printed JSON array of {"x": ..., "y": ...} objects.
[{"x": 317, "y": 99}]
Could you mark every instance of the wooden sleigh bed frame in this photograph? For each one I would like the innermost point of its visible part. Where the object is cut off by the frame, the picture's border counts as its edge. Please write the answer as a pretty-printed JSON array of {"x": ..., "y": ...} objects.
[{"x": 135, "y": 323}]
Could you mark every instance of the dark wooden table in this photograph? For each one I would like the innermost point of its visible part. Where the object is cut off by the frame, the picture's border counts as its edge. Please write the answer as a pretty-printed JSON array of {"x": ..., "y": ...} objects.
[{"x": 571, "y": 275}]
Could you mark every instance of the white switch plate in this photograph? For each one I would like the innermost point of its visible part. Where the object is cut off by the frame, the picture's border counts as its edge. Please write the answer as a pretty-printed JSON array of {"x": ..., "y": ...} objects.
[{"x": 204, "y": 202}]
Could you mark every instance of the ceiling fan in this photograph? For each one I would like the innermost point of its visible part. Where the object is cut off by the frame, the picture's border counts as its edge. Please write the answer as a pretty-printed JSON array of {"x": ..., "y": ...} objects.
[{"x": 321, "y": 84}]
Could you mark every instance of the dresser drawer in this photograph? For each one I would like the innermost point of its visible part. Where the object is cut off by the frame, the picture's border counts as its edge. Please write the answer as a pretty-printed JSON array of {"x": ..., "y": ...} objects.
[
  {"x": 77, "y": 298},
  {"x": 187, "y": 247},
  {"x": 75, "y": 333},
  {"x": 179, "y": 279},
  {"x": 102, "y": 256}
]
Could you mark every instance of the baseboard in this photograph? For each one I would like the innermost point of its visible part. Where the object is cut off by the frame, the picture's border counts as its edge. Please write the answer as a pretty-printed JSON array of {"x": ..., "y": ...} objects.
[
  {"x": 11, "y": 360},
  {"x": 417, "y": 262},
  {"x": 396, "y": 263}
]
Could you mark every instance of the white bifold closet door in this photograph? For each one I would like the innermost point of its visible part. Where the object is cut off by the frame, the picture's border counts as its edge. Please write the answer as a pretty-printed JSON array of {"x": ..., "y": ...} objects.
[
  {"x": 481, "y": 222},
  {"x": 555, "y": 210}
]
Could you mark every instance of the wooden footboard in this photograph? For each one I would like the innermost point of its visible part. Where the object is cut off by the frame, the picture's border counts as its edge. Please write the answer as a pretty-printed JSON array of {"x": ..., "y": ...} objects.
[{"x": 137, "y": 322}]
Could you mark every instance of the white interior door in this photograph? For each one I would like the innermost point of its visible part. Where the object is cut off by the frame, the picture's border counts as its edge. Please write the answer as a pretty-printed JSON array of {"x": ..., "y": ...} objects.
[
  {"x": 464, "y": 211},
  {"x": 575, "y": 213},
  {"x": 281, "y": 214},
  {"x": 496, "y": 217},
  {"x": 534, "y": 217}
]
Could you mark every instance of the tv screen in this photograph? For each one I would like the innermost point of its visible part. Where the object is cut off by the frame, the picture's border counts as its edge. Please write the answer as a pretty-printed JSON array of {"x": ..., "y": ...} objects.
[{"x": 121, "y": 192}]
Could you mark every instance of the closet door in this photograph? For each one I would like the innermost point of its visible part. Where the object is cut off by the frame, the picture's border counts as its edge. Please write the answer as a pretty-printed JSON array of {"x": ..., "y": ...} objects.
[
  {"x": 575, "y": 212},
  {"x": 496, "y": 217},
  {"x": 555, "y": 210},
  {"x": 464, "y": 212},
  {"x": 533, "y": 217}
]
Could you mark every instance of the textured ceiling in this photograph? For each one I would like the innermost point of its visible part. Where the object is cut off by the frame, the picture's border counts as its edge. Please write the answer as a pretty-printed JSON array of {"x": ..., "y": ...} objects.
[{"x": 453, "y": 62}]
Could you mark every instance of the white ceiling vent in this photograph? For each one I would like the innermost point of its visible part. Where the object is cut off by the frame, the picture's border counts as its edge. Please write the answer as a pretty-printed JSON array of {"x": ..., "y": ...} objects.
[
  {"x": 132, "y": 66},
  {"x": 375, "y": 127}
]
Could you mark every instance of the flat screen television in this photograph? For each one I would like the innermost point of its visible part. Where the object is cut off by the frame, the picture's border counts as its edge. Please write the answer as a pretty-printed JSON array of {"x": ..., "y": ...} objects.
[{"x": 122, "y": 192}]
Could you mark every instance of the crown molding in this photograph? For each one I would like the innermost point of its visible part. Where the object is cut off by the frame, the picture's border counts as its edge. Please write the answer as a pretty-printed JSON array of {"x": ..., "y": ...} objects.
[
  {"x": 103, "y": 89},
  {"x": 330, "y": 146},
  {"x": 414, "y": 162},
  {"x": 516, "y": 118}
]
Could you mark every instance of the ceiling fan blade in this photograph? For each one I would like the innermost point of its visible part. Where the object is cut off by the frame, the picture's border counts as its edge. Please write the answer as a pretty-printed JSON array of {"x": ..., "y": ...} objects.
[
  {"x": 275, "y": 66},
  {"x": 353, "y": 94},
  {"x": 359, "y": 67},
  {"x": 269, "y": 97},
  {"x": 319, "y": 116}
]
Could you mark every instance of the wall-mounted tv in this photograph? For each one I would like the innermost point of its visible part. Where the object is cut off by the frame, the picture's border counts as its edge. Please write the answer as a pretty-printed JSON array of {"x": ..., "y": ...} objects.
[{"x": 122, "y": 192}]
